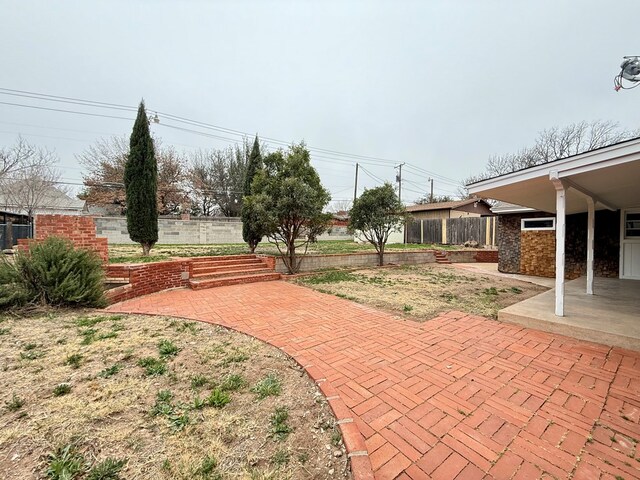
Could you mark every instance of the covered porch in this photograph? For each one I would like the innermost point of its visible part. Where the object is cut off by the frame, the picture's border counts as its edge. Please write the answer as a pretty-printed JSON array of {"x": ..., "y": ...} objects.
[
  {"x": 605, "y": 178},
  {"x": 612, "y": 316}
]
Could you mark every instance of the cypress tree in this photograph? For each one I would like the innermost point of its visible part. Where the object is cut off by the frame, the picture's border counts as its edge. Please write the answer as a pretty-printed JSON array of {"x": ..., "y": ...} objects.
[
  {"x": 141, "y": 183},
  {"x": 250, "y": 230}
]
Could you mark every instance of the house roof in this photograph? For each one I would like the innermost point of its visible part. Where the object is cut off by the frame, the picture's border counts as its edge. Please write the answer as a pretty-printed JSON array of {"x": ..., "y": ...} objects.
[
  {"x": 424, "y": 207},
  {"x": 53, "y": 199},
  {"x": 609, "y": 175}
]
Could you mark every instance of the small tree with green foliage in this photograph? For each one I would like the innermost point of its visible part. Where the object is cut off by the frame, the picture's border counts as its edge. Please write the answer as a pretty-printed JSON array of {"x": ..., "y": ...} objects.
[
  {"x": 375, "y": 214},
  {"x": 287, "y": 203},
  {"x": 141, "y": 183},
  {"x": 251, "y": 232}
]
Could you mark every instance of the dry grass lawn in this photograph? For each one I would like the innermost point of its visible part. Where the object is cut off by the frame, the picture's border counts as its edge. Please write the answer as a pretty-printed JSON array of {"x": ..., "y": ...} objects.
[
  {"x": 156, "y": 398},
  {"x": 424, "y": 291}
]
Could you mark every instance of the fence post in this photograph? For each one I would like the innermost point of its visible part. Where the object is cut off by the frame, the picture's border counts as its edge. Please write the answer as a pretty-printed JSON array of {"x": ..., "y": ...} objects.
[
  {"x": 487, "y": 236},
  {"x": 444, "y": 231},
  {"x": 421, "y": 231},
  {"x": 8, "y": 234}
]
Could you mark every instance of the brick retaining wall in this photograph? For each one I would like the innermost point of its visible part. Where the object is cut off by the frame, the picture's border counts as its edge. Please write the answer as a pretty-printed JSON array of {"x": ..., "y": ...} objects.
[{"x": 146, "y": 278}]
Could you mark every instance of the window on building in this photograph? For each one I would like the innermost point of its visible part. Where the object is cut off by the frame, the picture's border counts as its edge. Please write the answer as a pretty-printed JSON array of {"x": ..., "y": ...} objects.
[
  {"x": 546, "y": 223},
  {"x": 631, "y": 224}
]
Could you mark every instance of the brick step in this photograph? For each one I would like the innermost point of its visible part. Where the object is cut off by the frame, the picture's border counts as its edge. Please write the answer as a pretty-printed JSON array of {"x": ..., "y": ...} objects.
[
  {"x": 215, "y": 263},
  {"x": 232, "y": 273},
  {"x": 210, "y": 269},
  {"x": 235, "y": 280},
  {"x": 442, "y": 258},
  {"x": 245, "y": 256}
]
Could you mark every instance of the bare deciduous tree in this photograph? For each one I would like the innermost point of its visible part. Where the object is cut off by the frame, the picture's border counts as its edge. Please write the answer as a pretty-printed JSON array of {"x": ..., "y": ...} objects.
[
  {"x": 216, "y": 179},
  {"x": 338, "y": 206},
  {"x": 552, "y": 144},
  {"x": 13, "y": 157},
  {"x": 30, "y": 177},
  {"x": 104, "y": 162}
]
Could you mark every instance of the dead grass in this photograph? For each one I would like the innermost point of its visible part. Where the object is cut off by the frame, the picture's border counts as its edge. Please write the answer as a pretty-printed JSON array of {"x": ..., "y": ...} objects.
[
  {"x": 113, "y": 411},
  {"x": 424, "y": 291}
]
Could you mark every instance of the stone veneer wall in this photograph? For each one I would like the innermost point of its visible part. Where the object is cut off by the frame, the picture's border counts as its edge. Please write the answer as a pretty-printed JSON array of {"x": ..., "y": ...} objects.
[
  {"x": 532, "y": 252},
  {"x": 538, "y": 253}
]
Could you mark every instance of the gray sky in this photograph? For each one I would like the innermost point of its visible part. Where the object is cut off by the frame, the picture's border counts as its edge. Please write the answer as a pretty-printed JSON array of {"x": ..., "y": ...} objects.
[{"x": 440, "y": 85}]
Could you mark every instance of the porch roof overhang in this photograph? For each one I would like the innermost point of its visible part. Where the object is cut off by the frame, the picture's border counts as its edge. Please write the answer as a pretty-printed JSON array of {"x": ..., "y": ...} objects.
[{"x": 609, "y": 175}]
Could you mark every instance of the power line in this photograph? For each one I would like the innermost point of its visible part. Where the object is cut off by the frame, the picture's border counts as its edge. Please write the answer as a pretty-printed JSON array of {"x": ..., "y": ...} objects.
[
  {"x": 91, "y": 103},
  {"x": 66, "y": 111}
]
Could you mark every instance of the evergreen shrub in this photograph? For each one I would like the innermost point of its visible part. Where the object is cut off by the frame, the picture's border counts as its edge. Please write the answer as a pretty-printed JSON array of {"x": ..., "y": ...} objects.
[{"x": 52, "y": 272}]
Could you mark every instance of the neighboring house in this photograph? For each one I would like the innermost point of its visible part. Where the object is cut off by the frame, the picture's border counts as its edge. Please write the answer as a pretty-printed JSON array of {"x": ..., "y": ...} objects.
[
  {"x": 588, "y": 205},
  {"x": 459, "y": 209},
  {"x": 527, "y": 244},
  {"x": 52, "y": 201}
]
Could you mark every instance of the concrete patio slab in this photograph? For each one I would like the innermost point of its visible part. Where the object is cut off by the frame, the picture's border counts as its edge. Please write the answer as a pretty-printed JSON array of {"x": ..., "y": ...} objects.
[
  {"x": 457, "y": 397},
  {"x": 610, "y": 316}
]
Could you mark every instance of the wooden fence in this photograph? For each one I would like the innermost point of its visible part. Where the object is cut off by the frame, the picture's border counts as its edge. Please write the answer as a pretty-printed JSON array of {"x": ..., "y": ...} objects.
[{"x": 453, "y": 231}]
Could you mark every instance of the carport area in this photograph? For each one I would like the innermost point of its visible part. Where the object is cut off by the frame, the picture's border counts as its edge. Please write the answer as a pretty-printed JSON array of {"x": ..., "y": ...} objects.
[{"x": 598, "y": 309}]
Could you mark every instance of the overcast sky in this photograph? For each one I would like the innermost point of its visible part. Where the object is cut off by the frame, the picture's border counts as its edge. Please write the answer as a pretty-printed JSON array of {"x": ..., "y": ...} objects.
[{"x": 440, "y": 85}]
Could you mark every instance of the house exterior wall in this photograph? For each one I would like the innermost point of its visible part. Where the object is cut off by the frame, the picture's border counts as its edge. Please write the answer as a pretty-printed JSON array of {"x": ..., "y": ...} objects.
[
  {"x": 430, "y": 214},
  {"x": 538, "y": 252},
  {"x": 474, "y": 210},
  {"x": 532, "y": 252}
]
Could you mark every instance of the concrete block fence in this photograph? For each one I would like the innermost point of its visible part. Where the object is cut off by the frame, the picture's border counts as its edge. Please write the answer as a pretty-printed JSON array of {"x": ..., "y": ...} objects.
[
  {"x": 194, "y": 231},
  {"x": 355, "y": 260}
]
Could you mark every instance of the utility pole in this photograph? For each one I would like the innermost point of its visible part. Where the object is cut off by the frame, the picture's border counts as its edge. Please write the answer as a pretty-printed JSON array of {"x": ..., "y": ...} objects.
[
  {"x": 399, "y": 180},
  {"x": 431, "y": 196},
  {"x": 355, "y": 189}
]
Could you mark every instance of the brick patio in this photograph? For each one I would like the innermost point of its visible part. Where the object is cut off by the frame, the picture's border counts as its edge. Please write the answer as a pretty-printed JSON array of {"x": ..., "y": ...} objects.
[{"x": 457, "y": 397}]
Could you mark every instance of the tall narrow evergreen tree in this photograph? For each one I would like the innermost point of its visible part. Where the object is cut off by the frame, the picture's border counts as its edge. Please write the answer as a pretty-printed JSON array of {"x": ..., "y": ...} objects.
[
  {"x": 250, "y": 229},
  {"x": 141, "y": 183}
]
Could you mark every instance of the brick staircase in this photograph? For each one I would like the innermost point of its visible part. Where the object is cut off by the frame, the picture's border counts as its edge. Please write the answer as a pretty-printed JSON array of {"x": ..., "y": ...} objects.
[
  {"x": 209, "y": 272},
  {"x": 441, "y": 257}
]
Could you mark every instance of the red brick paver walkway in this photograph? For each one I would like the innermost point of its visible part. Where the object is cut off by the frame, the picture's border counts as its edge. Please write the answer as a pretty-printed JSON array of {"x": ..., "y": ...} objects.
[{"x": 458, "y": 397}]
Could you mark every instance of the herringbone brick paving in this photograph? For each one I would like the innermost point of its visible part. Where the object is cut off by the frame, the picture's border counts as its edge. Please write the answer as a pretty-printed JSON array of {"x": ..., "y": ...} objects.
[{"x": 457, "y": 397}]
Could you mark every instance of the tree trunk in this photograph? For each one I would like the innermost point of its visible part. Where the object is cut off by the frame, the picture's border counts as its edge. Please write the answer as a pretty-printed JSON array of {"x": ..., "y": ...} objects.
[
  {"x": 381, "y": 255},
  {"x": 292, "y": 259},
  {"x": 145, "y": 249}
]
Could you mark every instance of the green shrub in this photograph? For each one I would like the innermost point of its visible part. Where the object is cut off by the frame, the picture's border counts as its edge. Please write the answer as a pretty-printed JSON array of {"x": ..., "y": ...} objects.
[{"x": 52, "y": 272}]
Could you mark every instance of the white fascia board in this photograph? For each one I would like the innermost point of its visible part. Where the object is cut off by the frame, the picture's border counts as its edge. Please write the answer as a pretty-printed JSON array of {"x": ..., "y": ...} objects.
[
  {"x": 585, "y": 162},
  {"x": 503, "y": 210}
]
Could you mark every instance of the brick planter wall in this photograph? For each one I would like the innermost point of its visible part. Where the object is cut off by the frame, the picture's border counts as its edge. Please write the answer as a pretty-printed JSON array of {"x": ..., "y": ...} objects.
[
  {"x": 80, "y": 230},
  {"x": 145, "y": 278}
]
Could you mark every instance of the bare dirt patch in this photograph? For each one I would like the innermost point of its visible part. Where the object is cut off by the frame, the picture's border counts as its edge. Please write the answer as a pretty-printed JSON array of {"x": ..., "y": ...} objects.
[
  {"x": 424, "y": 291},
  {"x": 152, "y": 397}
]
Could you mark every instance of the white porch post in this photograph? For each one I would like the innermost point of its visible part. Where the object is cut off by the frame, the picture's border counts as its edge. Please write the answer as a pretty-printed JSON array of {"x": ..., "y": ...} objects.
[
  {"x": 590, "y": 232},
  {"x": 560, "y": 237}
]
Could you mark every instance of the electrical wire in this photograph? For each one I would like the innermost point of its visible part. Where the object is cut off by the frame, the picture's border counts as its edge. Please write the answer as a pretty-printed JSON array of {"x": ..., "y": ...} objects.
[{"x": 91, "y": 103}]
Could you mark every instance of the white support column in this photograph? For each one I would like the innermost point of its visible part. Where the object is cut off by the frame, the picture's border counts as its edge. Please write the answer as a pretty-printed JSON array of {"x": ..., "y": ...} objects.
[
  {"x": 590, "y": 232},
  {"x": 560, "y": 237}
]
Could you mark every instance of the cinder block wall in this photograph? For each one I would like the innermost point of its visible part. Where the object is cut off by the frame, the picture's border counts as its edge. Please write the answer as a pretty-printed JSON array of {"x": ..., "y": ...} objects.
[
  {"x": 195, "y": 231},
  {"x": 354, "y": 260}
]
